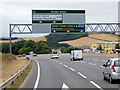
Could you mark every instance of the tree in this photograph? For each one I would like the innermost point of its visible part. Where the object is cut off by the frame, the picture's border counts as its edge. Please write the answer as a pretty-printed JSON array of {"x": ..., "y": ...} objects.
[
  {"x": 5, "y": 48},
  {"x": 100, "y": 47},
  {"x": 24, "y": 50},
  {"x": 42, "y": 48},
  {"x": 16, "y": 46},
  {"x": 117, "y": 46},
  {"x": 29, "y": 43}
]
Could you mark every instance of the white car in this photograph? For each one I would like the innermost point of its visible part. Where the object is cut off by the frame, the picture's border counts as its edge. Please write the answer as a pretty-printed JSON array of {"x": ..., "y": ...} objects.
[
  {"x": 112, "y": 69},
  {"x": 76, "y": 55},
  {"x": 54, "y": 55}
]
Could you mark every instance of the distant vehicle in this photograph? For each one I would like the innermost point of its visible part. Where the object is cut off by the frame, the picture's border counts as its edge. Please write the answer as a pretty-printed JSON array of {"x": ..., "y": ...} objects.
[
  {"x": 76, "y": 55},
  {"x": 101, "y": 51},
  {"x": 117, "y": 50},
  {"x": 108, "y": 50},
  {"x": 54, "y": 54},
  {"x": 112, "y": 69},
  {"x": 31, "y": 53},
  {"x": 19, "y": 55},
  {"x": 34, "y": 55},
  {"x": 23, "y": 55}
]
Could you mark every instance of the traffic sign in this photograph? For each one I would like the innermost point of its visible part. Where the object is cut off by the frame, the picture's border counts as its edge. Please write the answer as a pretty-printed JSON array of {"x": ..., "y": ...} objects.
[
  {"x": 94, "y": 46},
  {"x": 67, "y": 28}
]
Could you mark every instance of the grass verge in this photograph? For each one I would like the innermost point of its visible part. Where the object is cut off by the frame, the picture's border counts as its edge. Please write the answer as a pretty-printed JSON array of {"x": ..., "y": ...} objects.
[{"x": 18, "y": 81}]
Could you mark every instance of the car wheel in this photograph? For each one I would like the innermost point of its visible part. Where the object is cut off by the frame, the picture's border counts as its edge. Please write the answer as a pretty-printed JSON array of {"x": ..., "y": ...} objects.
[
  {"x": 104, "y": 77},
  {"x": 111, "y": 80}
]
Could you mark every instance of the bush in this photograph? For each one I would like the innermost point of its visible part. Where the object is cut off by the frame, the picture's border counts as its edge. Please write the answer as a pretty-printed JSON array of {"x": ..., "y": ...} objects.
[{"x": 14, "y": 57}]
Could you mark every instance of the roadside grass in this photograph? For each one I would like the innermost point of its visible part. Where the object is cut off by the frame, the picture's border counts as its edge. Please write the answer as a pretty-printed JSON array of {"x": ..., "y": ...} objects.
[{"x": 18, "y": 81}]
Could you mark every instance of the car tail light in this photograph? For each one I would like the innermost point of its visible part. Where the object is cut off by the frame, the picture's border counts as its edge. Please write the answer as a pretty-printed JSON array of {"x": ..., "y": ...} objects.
[
  {"x": 113, "y": 68},
  {"x": 73, "y": 53}
]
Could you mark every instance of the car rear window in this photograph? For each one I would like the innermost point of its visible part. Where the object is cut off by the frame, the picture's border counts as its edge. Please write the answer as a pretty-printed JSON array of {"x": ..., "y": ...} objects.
[
  {"x": 117, "y": 63},
  {"x": 54, "y": 52}
]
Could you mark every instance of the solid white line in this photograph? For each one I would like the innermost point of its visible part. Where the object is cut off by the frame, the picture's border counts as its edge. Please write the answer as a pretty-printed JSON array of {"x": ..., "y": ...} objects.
[
  {"x": 38, "y": 75},
  {"x": 26, "y": 78},
  {"x": 65, "y": 65},
  {"x": 71, "y": 69},
  {"x": 81, "y": 75},
  {"x": 96, "y": 85}
]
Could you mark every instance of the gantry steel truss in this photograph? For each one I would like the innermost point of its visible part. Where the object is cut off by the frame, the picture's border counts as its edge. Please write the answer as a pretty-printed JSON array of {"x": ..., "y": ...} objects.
[{"x": 89, "y": 27}]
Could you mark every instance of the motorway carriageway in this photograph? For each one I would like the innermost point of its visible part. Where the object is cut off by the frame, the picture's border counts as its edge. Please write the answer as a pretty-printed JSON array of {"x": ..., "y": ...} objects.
[{"x": 57, "y": 73}]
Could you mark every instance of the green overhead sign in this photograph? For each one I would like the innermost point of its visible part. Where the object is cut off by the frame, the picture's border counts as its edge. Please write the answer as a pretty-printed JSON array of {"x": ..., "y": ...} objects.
[
  {"x": 58, "y": 21},
  {"x": 51, "y": 16},
  {"x": 67, "y": 28}
]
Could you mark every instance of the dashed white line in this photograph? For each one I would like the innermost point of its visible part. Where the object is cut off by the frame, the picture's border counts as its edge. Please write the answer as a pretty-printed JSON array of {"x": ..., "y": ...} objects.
[
  {"x": 81, "y": 75},
  {"x": 65, "y": 65},
  {"x": 71, "y": 69},
  {"x": 94, "y": 59},
  {"x": 92, "y": 64},
  {"x": 57, "y": 61},
  {"x": 102, "y": 67},
  {"x": 60, "y": 63},
  {"x": 104, "y": 60},
  {"x": 83, "y": 61},
  {"x": 96, "y": 85}
]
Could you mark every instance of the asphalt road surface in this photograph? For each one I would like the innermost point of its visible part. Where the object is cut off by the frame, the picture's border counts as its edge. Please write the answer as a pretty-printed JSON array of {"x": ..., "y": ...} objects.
[{"x": 55, "y": 73}]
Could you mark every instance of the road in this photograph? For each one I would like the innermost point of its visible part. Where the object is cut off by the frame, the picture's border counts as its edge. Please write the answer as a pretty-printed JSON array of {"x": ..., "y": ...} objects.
[{"x": 86, "y": 74}]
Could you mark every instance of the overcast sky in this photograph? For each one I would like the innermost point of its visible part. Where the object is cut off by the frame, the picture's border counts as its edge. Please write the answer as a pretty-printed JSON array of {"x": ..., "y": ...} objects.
[{"x": 20, "y": 11}]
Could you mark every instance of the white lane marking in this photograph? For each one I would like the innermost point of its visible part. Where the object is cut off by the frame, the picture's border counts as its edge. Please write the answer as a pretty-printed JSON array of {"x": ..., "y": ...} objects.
[
  {"x": 102, "y": 67},
  {"x": 94, "y": 59},
  {"x": 83, "y": 61},
  {"x": 60, "y": 63},
  {"x": 104, "y": 60},
  {"x": 71, "y": 69},
  {"x": 65, "y": 87},
  {"x": 88, "y": 58},
  {"x": 26, "y": 78},
  {"x": 65, "y": 65},
  {"x": 57, "y": 61},
  {"x": 92, "y": 64},
  {"x": 81, "y": 75},
  {"x": 96, "y": 85},
  {"x": 38, "y": 75}
]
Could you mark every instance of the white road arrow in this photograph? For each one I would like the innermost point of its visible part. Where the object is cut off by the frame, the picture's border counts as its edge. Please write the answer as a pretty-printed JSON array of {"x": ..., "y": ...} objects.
[{"x": 65, "y": 87}]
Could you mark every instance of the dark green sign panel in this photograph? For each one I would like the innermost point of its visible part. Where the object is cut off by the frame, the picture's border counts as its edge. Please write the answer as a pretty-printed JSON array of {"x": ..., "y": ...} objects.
[
  {"x": 58, "y": 11},
  {"x": 52, "y": 16},
  {"x": 67, "y": 28}
]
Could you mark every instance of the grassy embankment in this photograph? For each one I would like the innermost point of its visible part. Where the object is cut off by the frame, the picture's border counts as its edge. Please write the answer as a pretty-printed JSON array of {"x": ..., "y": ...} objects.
[{"x": 10, "y": 66}]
